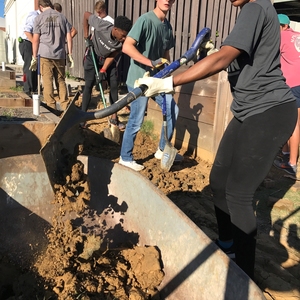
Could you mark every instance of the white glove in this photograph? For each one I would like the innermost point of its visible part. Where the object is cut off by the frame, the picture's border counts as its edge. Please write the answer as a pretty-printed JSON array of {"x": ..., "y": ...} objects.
[
  {"x": 71, "y": 61},
  {"x": 209, "y": 47},
  {"x": 33, "y": 64},
  {"x": 155, "y": 85}
]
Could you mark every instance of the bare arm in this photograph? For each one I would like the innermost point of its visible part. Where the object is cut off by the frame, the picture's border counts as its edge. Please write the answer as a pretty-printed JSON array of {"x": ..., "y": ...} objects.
[
  {"x": 86, "y": 25},
  {"x": 29, "y": 35},
  {"x": 130, "y": 49},
  {"x": 109, "y": 60},
  {"x": 69, "y": 43},
  {"x": 73, "y": 32},
  {"x": 35, "y": 44},
  {"x": 208, "y": 66}
]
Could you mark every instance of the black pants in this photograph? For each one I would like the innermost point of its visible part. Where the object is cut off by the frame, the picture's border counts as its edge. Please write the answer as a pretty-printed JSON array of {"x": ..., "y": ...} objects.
[
  {"x": 243, "y": 160},
  {"x": 90, "y": 80},
  {"x": 31, "y": 83}
]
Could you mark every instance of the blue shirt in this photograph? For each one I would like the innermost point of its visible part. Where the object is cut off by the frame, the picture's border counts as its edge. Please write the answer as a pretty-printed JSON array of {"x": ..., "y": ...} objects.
[{"x": 28, "y": 26}]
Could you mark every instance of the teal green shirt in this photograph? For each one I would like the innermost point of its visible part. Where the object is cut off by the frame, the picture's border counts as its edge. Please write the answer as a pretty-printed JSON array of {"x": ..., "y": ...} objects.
[{"x": 153, "y": 38}]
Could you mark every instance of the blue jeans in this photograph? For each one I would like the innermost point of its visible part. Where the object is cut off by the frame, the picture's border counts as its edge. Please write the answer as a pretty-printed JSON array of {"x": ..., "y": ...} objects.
[{"x": 135, "y": 121}]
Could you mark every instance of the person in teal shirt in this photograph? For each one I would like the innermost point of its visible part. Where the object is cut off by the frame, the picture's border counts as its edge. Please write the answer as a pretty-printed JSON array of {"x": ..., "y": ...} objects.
[{"x": 148, "y": 44}]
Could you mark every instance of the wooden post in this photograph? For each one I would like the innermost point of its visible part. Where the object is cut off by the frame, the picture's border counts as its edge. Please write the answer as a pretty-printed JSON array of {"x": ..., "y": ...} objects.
[
  {"x": 223, "y": 114},
  {"x": 36, "y": 4}
]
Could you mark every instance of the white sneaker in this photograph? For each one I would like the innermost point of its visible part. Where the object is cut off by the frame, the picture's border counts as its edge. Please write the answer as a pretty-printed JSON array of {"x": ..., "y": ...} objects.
[
  {"x": 131, "y": 164},
  {"x": 159, "y": 154}
]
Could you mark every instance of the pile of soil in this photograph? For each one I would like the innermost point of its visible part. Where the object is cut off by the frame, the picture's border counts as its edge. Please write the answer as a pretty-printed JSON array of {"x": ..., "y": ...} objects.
[{"x": 80, "y": 268}]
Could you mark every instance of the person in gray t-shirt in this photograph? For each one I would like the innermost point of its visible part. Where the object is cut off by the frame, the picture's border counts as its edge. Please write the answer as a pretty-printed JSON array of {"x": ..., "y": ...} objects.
[
  {"x": 265, "y": 115},
  {"x": 50, "y": 32},
  {"x": 106, "y": 42}
]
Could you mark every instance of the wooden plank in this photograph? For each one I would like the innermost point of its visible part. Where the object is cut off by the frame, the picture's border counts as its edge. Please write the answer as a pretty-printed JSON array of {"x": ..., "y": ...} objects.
[
  {"x": 192, "y": 107},
  {"x": 178, "y": 27},
  {"x": 223, "y": 22},
  {"x": 7, "y": 83},
  {"x": 223, "y": 114},
  {"x": 195, "y": 136},
  {"x": 185, "y": 28},
  {"x": 8, "y": 74},
  {"x": 144, "y": 7},
  {"x": 205, "y": 87},
  {"x": 12, "y": 102},
  {"x": 202, "y": 19},
  {"x": 194, "y": 17}
]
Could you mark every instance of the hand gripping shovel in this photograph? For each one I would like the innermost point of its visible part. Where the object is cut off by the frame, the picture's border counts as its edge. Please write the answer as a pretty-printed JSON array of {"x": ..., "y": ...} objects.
[
  {"x": 169, "y": 152},
  {"x": 112, "y": 132},
  {"x": 52, "y": 151}
]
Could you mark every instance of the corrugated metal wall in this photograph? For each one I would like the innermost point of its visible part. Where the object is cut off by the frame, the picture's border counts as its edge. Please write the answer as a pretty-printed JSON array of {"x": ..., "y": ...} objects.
[{"x": 187, "y": 18}]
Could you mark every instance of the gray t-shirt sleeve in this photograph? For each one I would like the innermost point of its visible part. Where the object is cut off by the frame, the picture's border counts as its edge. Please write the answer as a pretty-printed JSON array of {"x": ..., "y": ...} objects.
[
  {"x": 247, "y": 31},
  {"x": 255, "y": 77}
]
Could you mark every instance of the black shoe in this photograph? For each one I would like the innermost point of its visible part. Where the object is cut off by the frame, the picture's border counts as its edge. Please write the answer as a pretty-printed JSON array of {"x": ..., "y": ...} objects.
[
  {"x": 230, "y": 252},
  {"x": 283, "y": 157}
]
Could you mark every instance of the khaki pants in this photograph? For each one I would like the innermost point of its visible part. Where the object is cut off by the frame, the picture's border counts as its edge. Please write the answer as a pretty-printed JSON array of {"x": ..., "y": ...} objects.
[{"x": 54, "y": 69}]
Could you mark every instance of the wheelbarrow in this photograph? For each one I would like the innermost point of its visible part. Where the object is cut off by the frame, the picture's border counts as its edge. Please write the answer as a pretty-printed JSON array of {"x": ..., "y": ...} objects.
[{"x": 194, "y": 266}]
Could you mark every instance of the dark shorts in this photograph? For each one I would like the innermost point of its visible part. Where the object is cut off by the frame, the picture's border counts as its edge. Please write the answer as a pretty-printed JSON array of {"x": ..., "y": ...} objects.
[{"x": 296, "y": 92}]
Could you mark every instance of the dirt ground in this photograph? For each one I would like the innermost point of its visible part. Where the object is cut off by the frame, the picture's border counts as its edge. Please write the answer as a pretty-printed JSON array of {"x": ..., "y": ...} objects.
[
  {"x": 276, "y": 203},
  {"x": 75, "y": 267}
]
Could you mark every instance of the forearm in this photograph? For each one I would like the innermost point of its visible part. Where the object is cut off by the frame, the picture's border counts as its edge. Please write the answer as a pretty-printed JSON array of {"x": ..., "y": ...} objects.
[
  {"x": 130, "y": 49},
  {"x": 69, "y": 43},
  {"x": 29, "y": 35},
  {"x": 73, "y": 32},
  {"x": 86, "y": 26},
  {"x": 208, "y": 66},
  {"x": 108, "y": 61},
  {"x": 35, "y": 45}
]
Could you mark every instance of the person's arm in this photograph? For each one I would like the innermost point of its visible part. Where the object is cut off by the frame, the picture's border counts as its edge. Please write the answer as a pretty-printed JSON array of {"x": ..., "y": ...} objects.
[
  {"x": 86, "y": 25},
  {"x": 73, "y": 32},
  {"x": 69, "y": 43},
  {"x": 109, "y": 60},
  {"x": 35, "y": 44},
  {"x": 129, "y": 48},
  {"x": 208, "y": 66},
  {"x": 29, "y": 35}
]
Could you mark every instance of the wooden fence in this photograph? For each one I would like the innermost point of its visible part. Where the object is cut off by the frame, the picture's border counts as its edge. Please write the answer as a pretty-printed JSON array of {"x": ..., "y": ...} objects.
[{"x": 187, "y": 18}]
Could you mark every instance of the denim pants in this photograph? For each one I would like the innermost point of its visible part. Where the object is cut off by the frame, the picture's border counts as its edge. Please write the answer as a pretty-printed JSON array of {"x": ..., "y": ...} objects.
[
  {"x": 137, "y": 113},
  {"x": 50, "y": 69}
]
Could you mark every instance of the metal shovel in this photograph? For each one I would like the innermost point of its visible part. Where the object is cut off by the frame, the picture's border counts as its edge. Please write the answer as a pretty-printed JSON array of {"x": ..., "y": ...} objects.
[{"x": 169, "y": 152}]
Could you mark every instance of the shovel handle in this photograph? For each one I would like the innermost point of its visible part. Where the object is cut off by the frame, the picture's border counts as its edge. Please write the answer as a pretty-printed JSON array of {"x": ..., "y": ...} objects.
[
  {"x": 39, "y": 73},
  {"x": 164, "y": 105}
]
